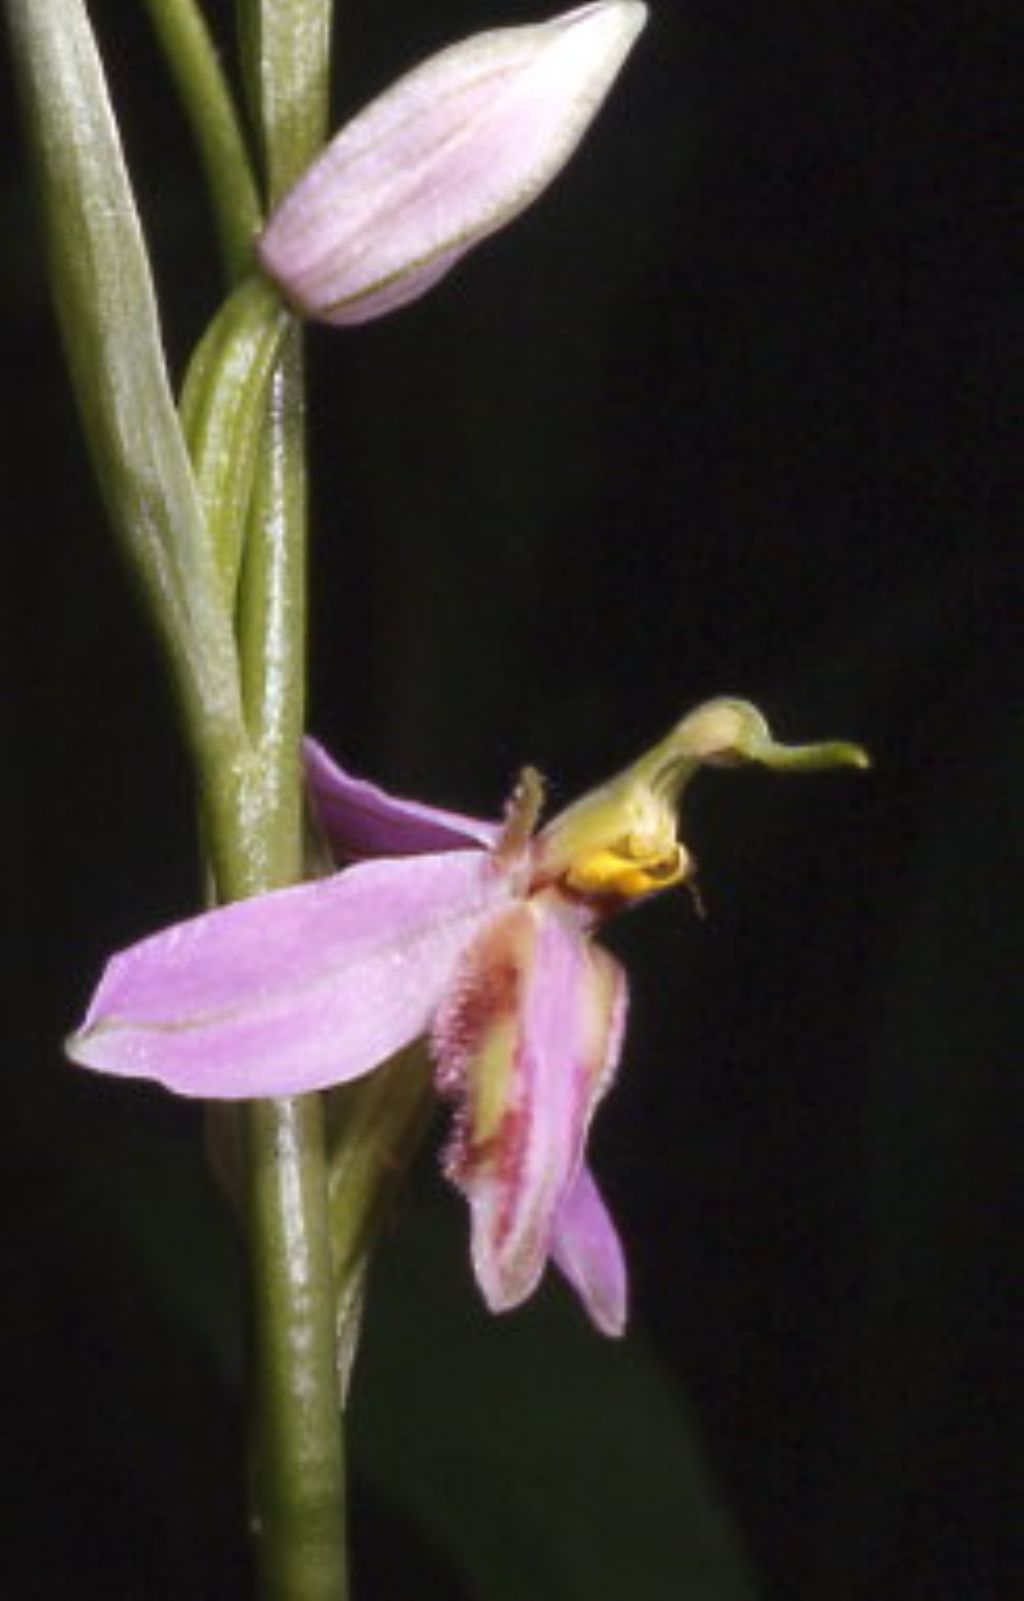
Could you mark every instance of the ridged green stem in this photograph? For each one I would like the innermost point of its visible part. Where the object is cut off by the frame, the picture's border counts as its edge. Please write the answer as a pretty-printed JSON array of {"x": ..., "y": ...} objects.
[
  {"x": 209, "y": 106},
  {"x": 296, "y": 1482},
  {"x": 224, "y": 401},
  {"x": 286, "y": 63},
  {"x": 298, "y": 1466}
]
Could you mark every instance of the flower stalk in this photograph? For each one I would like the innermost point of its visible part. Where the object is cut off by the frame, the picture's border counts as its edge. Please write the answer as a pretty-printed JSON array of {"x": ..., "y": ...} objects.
[
  {"x": 191, "y": 55},
  {"x": 297, "y": 1483}
]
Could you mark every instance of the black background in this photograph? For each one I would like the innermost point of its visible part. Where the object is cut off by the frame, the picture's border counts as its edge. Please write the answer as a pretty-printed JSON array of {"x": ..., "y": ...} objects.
[{"x": 729, "y": 412}]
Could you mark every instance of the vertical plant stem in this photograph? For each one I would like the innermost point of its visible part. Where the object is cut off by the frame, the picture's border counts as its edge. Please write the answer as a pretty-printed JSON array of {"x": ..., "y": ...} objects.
[
  {"x": 298, "y": 1471},
  {"x": 206, "y": 96},
  {"x": 286, "y": 59},
  {"x": 296, "y": 1485}
]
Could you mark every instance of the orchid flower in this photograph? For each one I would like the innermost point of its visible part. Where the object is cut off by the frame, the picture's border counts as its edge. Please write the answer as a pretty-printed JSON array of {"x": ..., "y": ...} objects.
[
  {"x": 455, "y": 149},
  {"x": 478, "y": 935}
]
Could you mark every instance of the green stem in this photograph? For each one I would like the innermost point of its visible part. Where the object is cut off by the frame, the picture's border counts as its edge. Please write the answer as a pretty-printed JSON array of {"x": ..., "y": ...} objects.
[
  {"x": 272, "y": 607},
  {"x": 298, "y": 1468},
  {"x": 209, "y": 105},
  {"x": 297, "y": 1482},
  {"x": 298, "y": 1512},
  {"x": 298, "y": 1478},
  {"x": 223, "y": 404},
  {"x": 286, "y": 56}
]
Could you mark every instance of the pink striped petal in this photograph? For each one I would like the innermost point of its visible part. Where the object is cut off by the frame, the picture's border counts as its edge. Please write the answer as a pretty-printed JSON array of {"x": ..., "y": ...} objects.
[
  {"x": 526, "y": 1046},
  {"x": 294, "y": 990},
  {"x": 361, "y": 820},
  {"x": 446, "y": 156},
  {"x": 587, "y": 1249}
]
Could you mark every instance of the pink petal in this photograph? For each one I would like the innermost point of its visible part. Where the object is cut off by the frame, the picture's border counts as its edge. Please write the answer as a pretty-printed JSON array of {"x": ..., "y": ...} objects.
[
  {"x": 526, "y": 1044},
  {"x": 294, "y": 990},
  {"x": 361, "y": 820},
  {"x": 443, "y": 158},
  {"x": 587, "y": 1249}
]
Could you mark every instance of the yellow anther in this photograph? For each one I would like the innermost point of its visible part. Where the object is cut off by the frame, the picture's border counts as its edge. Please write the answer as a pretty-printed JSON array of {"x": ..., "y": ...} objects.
[{"x": 625, "y": 875}]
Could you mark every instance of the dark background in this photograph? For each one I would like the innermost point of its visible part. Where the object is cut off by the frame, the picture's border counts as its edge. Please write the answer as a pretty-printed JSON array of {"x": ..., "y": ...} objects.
[{"x": 730, "y": 411}]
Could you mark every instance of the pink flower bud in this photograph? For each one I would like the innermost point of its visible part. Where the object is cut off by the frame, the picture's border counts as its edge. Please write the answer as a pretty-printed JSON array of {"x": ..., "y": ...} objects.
[{"x": 449, "y": 154}]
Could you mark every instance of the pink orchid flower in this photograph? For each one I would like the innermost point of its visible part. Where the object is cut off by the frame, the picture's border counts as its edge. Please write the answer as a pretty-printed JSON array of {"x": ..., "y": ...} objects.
[
  {"x": 476, "y": 934},
  {"x": 446, "y": 156}
]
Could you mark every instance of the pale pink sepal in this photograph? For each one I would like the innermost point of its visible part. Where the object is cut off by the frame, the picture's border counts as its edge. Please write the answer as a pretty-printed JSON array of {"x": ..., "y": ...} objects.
[
  {"x": 361, "y": 820},
  {"x": 294, "y": 990},
  {"x": 527, "y": 1046},
  {"x": 450, "y": 153},
  {"x": 587, "y": 1249}
]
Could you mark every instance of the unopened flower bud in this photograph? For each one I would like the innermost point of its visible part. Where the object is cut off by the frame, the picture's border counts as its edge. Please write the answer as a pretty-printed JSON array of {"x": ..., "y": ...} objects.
[{"x": 455, "y": 149}]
